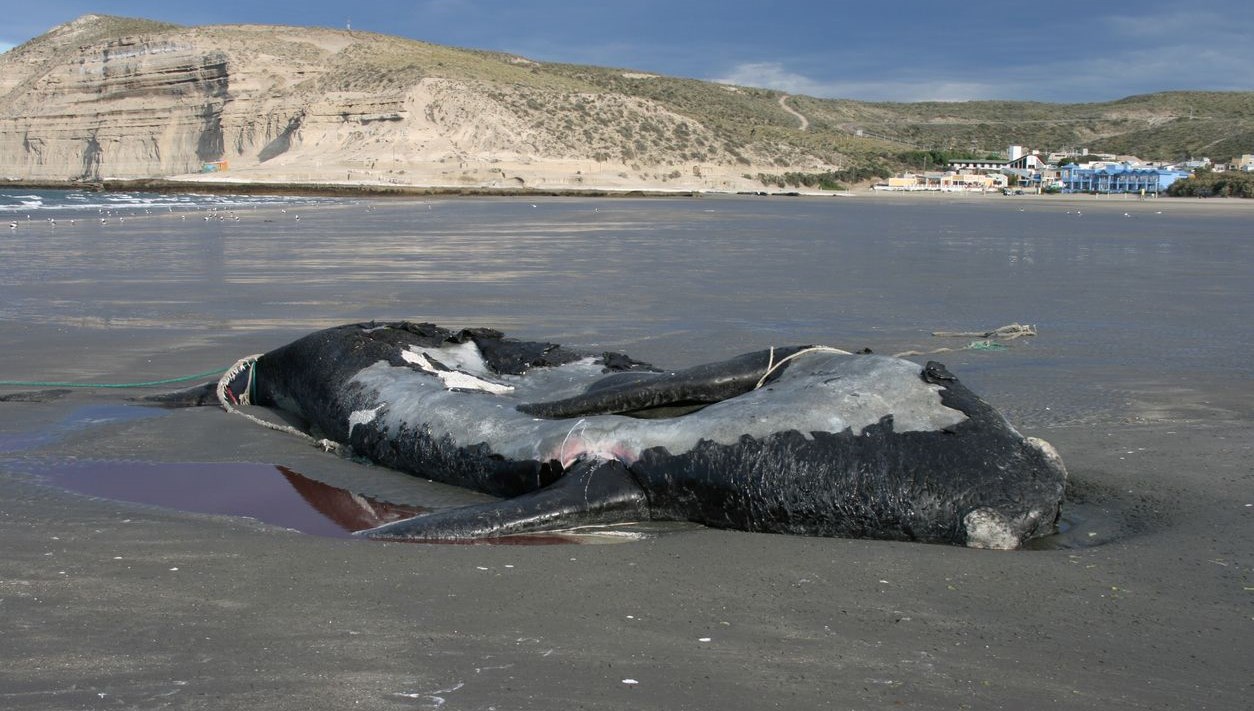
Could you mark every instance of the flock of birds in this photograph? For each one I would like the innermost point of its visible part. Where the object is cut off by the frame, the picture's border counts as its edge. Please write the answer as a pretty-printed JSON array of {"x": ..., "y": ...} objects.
[
  {"x": 211, "y": 214},
  {"x": 105, "y": 215}
]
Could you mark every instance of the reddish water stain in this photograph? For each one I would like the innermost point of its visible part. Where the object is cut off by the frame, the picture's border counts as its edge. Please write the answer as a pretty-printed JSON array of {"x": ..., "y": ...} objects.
[
  {"x": 269, "y": 493},
  {"x": 275, "y": 495}
]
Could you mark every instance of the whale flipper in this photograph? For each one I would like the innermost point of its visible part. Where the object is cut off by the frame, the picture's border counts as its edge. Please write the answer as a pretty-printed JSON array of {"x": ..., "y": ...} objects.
[
  {"x": 591, "y": 492},
  {"x": 653, "y": 394}
]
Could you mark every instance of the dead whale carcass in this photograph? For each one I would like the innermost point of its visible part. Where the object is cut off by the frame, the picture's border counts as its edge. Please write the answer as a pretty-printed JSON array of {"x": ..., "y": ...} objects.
[{"x": 803, "y": 440}]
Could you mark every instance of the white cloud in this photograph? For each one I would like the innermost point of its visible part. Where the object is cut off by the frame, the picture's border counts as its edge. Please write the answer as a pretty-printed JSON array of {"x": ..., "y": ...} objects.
[
  {"x": 1193, "y": 27},
  {"x": 773, "y": 75},
  {"x": 1057, "y": 75}
]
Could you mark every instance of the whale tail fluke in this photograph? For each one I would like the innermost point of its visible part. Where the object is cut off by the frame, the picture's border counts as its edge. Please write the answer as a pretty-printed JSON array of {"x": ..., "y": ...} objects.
[{"x": 592, "y": 492}]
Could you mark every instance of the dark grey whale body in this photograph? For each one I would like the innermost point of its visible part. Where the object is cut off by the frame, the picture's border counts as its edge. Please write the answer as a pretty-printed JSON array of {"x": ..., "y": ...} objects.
[{"x": 800, "y": 440}]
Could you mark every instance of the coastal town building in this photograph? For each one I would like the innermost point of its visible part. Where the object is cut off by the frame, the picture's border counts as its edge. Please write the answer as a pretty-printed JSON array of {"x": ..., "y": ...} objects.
[
  {"x": 974, "y": 182},
  {"x": 967, "y": 164},
  {"x": 1029, "y": 161},
  {"x": 1117, "y": 178},
  {"x": 948, "y": 182},
  {"x": 1029, "y": 171}
]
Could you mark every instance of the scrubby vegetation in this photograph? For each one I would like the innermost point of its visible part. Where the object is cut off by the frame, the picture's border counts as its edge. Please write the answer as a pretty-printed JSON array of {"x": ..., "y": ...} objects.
[
  {"x": 95, "y": 28},
  {"x": 1207, "y": 184},
  {"x": 830, "y": 180}
]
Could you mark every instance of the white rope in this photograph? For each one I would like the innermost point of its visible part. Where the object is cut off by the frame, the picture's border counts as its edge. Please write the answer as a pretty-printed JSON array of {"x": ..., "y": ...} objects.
[
  {"x": 906, "y": 354},
  {"x": 1008, "y": 332},
  {"x": 582, "y": 426},
  {"x": 772, "y": 366}
]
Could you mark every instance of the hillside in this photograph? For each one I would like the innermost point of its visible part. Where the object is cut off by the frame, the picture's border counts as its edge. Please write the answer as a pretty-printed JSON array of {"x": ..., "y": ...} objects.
[{"x": 107, "y": 97}]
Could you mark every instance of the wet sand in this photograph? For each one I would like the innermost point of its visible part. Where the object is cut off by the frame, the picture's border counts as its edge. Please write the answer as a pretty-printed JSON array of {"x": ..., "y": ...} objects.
[{"x": 1140, "y": 377}]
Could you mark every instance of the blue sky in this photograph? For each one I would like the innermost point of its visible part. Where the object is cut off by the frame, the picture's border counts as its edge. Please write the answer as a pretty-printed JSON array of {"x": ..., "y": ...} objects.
[{"x": 903, "y": 50}]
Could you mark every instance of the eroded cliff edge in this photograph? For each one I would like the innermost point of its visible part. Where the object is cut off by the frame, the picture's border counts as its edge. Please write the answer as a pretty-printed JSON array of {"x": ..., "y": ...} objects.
[{"x": 105, "y": 98}]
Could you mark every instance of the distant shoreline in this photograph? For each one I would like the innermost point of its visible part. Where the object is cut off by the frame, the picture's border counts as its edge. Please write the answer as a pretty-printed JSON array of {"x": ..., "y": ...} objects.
[
  {"x": 162, "y": 185},
  {"x": 303, "y": 189}
]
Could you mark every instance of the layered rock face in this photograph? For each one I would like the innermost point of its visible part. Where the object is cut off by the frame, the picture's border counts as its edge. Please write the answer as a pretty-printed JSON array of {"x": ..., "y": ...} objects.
[
  {"x": 99, "y": 98},
  {"x": 127, "y": 111},
  {"x": 152, "y": 104}
]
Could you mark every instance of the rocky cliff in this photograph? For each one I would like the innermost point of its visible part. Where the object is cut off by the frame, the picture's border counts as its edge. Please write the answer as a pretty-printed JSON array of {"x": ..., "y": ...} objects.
[{"x": 105, "y": 97}]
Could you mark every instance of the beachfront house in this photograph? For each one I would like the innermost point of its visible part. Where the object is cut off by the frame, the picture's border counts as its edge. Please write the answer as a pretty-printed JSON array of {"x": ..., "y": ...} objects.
[
  {"x": 1030, "y": 161},
  {"x": 1117, "y": 178},
  {"x": 948, "y": 182},
  {"x": 1028, "y": 169},
  {"x": 959, "y": 165},
  {"x": 969, "y": 182},
  {"x": 981, "y": 174}
]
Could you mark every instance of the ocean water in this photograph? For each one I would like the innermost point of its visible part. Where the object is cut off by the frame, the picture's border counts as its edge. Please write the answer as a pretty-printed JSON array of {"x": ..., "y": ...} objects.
[
  {"x": 1142, "y": 308},
  {"x": 42, "y": 204}
]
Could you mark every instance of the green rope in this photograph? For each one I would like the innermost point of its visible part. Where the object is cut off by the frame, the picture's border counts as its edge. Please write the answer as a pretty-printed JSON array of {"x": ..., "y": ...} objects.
[
  {"x": 146, "y": 384},
  {"x": 985, "y": 346}
]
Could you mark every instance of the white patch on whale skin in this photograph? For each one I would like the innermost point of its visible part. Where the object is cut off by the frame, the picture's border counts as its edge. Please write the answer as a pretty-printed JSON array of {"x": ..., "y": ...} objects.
[
  {"x": 465, "y": 357},
  {"x": 988, "y": 529},
  {"x": 815, "y": 394},
  {"x": 363, "y": 417},
  {"x": 455, "y": 378},
  {"x": 1051, "y": 454}
]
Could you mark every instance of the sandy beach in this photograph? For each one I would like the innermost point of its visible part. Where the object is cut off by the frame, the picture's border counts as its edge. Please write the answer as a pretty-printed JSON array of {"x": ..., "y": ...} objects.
[{"x": 1139, "y": 376}]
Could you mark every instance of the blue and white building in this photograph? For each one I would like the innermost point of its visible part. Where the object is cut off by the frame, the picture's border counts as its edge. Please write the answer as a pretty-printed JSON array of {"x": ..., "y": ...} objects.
[{"x": 1117, "y": 178}]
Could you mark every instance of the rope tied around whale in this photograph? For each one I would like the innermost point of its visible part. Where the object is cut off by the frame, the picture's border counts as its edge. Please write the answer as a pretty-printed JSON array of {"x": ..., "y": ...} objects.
[
  {"x": 1007, "y": 332},
  {"x": 228, "y": 399},
  {"x": 772, "y": 365}
]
